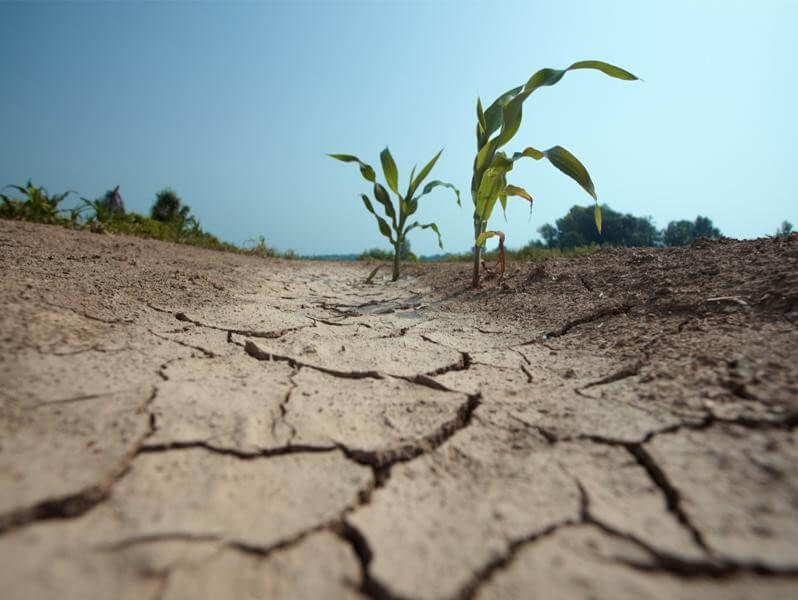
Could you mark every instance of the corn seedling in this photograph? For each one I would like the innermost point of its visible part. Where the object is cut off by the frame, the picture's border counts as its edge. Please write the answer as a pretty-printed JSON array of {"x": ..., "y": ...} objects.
[
  {"x": 503, "y": 117},
  {"x": 407, "y": 203}
]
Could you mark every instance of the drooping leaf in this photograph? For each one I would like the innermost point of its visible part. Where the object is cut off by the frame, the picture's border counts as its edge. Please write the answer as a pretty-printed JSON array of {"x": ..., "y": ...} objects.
[
  {"x": 563, "y": 160},
  {"x": 385, "y": 229},
  {"x": 484, "y": 236},
  {"x": 19, "y": 188},
  {"x": 374, "y": 272},
  {"x": 512, "y": 111},
  {"x": 381, "y": 194},
  {"x": 435, "y": 183},
  {"x": 512, "y": 190},
  {"x": 605, "y": 68},
  {"x": 389, "y": 169},
  {"x": 570, "y": 165},
  {"x": 367, "y": 202},
  {"x": 432, "y": 226},
  {"x": 366, "y": 170},
  {"x": 415, "y": 182},
  {"x": 597, "y": 216}
]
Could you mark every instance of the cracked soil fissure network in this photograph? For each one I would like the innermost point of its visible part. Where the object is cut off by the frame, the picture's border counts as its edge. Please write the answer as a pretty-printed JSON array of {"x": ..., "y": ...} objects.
[{"x": 181, "y": 423}]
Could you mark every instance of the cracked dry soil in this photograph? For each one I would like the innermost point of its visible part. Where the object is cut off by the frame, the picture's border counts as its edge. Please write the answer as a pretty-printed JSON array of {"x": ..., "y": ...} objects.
[{"x": 180, "y": 423}]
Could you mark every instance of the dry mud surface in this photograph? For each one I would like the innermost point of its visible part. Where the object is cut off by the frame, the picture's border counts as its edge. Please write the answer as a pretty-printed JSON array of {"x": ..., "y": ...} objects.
[{"x": 180, "y": 423}]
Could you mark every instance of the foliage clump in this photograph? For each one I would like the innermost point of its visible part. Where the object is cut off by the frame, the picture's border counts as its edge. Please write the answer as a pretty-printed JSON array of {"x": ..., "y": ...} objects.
[{"x": 170, "y": 219}]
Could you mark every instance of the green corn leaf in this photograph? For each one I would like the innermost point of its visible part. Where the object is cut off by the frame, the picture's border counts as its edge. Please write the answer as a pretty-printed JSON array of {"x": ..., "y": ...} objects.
[
  {"x": 484, "y": 155},
  {"x": 385, "y": 229},
  {"x": 493, "y": 116},
  {"x": 488, "y": 192},
  {"x": 481, "y": 114},
  {"x": 381, "y": 194},
  {"x": 605, "y": 68},
  {"x": 597, "y": 215},
  {"x": 435, "y": 183},
  {"x": 390, "y": 171},
  {"x": 570, "y": 165},
  {"x": 530, "y": 152},
  {"x": 366, "y": 170},
  {"x": 512, "y": 111},
  {"x": 432, "y": 226},
  {"x": 19, "y": 188},
  {"x": 367, "y": 202},
  {"x": 482, "y": 126},
  {"x": 565, "y": 162},
  {"x": 414, "y": 183}
]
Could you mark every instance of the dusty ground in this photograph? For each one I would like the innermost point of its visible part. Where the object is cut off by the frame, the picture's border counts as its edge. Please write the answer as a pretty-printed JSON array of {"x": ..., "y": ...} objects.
[{"x": 179, "y": 423}]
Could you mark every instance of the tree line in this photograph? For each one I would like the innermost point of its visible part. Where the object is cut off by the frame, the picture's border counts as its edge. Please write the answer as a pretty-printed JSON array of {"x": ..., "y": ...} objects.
[{"x": 577, "y": 228}]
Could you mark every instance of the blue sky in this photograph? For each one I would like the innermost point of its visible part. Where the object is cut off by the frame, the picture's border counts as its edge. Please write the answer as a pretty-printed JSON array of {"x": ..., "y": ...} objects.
[{"x": 235, "y": 107}]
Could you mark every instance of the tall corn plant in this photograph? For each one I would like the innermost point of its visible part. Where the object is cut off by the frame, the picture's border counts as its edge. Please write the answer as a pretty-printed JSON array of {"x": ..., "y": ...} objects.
[
  {"x": 407, "y": 204},
  {"x": 503, "y": 118}
]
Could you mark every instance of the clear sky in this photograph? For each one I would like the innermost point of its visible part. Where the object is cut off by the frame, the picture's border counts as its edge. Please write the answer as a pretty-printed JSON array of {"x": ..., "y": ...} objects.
[{"x": 235, "y": 107}]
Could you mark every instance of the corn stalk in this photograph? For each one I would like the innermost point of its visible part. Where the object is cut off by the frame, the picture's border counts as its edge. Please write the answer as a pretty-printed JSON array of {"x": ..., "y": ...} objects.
[{"x": 503, "y": 118}]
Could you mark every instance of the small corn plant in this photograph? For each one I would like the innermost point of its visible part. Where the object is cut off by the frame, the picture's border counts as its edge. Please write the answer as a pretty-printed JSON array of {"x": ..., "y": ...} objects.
[
  {"x": 407, "y": 204},
  {"x": 489, "y": 180}
]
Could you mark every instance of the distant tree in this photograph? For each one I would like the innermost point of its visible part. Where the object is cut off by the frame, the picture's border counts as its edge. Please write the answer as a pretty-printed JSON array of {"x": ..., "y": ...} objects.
[
  {"x": 405, "y": 253},
  {"x": 678, "y": 233},
  {"x": 113, "y": 204},
  {"x": 169, "y": 207},
  {"x": 549, "y": 234},
  {"x": 703, "y": 227},
  {"x": 785, "y": 228},
  {"x": 577, "y": 228},
  {"x": 684, "y": 233}
]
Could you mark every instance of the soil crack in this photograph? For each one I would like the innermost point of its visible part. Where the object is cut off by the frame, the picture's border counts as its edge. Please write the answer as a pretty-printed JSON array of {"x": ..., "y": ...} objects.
[{"x": 76, "y": 504}]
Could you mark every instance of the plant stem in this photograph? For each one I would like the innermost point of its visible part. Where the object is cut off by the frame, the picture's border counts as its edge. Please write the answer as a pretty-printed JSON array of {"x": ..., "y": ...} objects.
[
  {"x": 477, "y": 252},
  {"x": 396, "y": 260}
]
